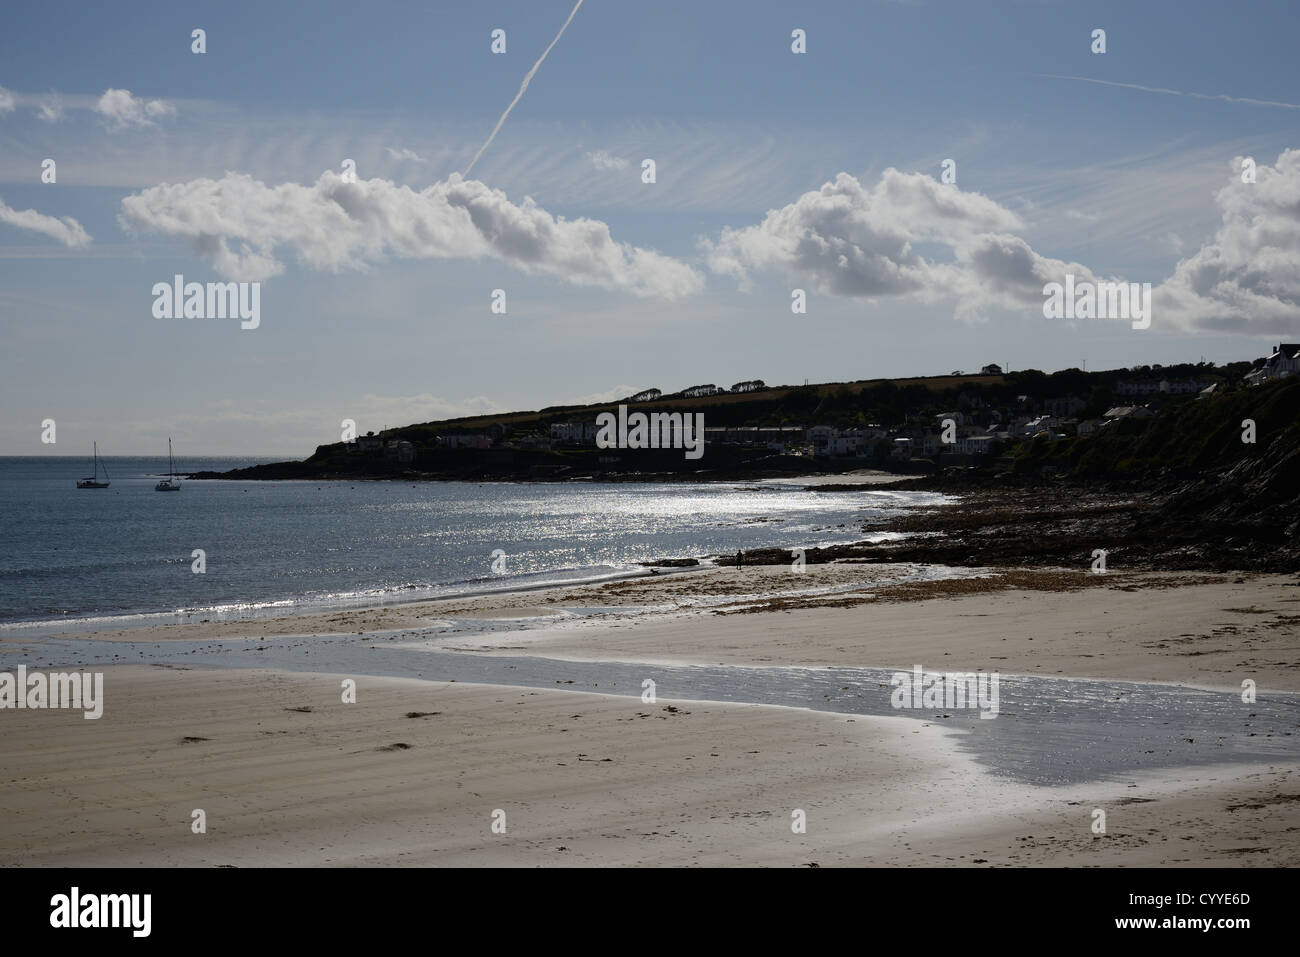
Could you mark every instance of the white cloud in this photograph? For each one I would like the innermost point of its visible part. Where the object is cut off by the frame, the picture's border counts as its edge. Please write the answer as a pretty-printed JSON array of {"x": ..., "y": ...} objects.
[
  {"x": 66, "y": 230},
  {"x": 604, "y": 160},
  {"x": 1247, "y": 279},
  {"x": 992, "y": 270},
  {"x": 334, "y": 225},
  {"x": 123, "y": 110},
  {"x": 6, "y": 101},
  {"x": 405, "y": 154},
  {"x": 849, "y": 240}
]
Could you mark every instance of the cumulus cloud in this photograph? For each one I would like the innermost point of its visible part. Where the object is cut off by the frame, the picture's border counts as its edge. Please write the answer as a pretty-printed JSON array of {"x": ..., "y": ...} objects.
[
  {"x": 850, "y": 240},
  {"x": 65, "y": 229},
  {"x": 123, "y": 110},
  {"x": 238, "y": 223},
  {"x": 1247, "y": 278},
  {"x": 405, "y": 154},
  {"x": 846, "y": 239},
  {"x": 6, "y": 101},
  {"x": 604, "y": 160},
  {"x": 998, "y": 270}
]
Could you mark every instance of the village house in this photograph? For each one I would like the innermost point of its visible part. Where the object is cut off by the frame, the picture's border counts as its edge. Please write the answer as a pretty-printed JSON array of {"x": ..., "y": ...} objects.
[
  {"x": 1137, "y": 387},
  {"x": 1160, "y": 387},
  {"x": 399, "y": 450},
  {"x": 774, "y": 437},
  {"x": 1040, "y": 424},
  {"x": 1285, "y": 361},
  {"x": 1064, "y": 406},
  {"x": 465, "y": 441},
  {"x": 575, "y": 433},
  {"x": 975, "y": 444},
  {"x": 1126, "y": 411}
]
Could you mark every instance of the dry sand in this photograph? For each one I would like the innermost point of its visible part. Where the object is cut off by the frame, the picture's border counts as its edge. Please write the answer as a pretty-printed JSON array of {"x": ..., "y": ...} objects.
[{"x": 289, "y": 775}]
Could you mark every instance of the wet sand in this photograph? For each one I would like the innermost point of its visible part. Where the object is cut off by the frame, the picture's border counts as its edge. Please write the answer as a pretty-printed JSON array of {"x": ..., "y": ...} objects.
[{"x": 288, "y": 774}]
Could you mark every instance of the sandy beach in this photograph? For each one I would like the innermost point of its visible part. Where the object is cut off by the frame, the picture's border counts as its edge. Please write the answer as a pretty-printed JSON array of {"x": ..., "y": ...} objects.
[{"x": 413, "y": 772}]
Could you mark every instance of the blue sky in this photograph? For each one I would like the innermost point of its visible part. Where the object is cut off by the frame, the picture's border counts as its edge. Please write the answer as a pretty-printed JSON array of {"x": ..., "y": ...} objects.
[{"x": 388, "y": 322}]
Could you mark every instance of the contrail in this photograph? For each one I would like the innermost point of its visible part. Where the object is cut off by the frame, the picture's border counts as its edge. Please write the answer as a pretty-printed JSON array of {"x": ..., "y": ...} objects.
[
  {"x": 1157, "y": 89},
  {"x": 522, "y": 86}
]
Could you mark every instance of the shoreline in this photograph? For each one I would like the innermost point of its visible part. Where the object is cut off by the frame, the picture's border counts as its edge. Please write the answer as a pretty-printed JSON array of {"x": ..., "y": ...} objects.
[{"x": 1211, "y": 631}]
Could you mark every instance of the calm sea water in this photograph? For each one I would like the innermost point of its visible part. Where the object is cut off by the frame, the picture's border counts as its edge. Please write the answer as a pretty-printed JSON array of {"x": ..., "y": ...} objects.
[{"x": 110, "y": 556}]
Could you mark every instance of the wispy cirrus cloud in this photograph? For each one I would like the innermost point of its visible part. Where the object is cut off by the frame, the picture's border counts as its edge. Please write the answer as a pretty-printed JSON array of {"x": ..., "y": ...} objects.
[
  {"x": 603, "y": 160},
  {"x": 50, "y": 108},
  {"x": 401, "y": 153}
]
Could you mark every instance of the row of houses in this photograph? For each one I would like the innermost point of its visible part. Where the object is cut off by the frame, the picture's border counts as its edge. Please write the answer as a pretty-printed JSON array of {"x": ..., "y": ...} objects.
[
  {"x": 906, "y": 442},
  {"x": 397, "y": 450},
  {"x": 978, "y": 429},
  {"x": 1135, "y": 387},
  {"x": 825, "y": 441}
]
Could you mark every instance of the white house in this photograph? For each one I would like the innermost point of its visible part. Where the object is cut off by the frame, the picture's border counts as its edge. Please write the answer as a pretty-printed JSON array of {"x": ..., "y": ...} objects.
[{"x": 1285, "y": 361}]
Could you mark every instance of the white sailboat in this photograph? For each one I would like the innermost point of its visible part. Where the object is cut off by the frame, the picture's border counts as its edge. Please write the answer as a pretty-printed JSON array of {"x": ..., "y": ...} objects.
[
  {"x": 169, "y": 484},
  {"x": 92, "y": 481}
]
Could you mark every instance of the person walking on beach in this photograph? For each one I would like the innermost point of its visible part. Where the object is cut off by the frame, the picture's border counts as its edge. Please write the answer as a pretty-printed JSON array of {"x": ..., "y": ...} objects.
[{"x": 738, "y": 559}]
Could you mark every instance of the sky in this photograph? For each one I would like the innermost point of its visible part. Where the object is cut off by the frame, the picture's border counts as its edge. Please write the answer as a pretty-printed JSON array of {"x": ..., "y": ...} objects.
[{"x": 774, "y": 170}]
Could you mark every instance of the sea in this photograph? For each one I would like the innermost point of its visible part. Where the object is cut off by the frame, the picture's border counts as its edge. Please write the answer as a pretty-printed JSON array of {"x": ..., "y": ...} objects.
[{"x": 128, "y": 555}]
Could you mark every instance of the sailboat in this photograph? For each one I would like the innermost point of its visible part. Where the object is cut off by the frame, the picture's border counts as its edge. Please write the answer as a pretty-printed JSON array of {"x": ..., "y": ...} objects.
[
  {"x": 169, "y": 484},
  {"x": 93, "y": 481}
]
